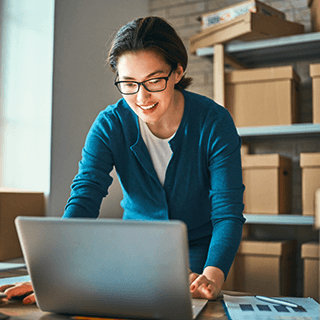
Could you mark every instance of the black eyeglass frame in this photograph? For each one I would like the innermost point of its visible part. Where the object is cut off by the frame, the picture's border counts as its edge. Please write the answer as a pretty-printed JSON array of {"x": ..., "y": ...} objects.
[{"x": 143, "y": 83}]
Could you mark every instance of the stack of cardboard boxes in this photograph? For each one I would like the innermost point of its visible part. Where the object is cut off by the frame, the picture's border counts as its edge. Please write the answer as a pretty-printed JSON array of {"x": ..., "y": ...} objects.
[
  {"x": 249, "y": 20},
  {"x": 15, "y": 203},
  {"x": 266, "y": 97}
]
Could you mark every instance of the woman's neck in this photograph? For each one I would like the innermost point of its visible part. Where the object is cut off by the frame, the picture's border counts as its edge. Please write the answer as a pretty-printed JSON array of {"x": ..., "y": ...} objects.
[{"x": 170, "y": 122}]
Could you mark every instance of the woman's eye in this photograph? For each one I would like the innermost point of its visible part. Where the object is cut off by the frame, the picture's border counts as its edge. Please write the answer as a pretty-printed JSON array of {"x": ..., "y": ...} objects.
[
  {"x": 154, "y": 81},
  {"x": 129, "y": 84}
]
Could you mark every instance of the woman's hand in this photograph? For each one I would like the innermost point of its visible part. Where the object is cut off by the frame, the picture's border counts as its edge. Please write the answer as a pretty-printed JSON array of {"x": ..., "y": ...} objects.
[
  {"x": 19, "y": 289},
  {"x": 207, "y": 285}
]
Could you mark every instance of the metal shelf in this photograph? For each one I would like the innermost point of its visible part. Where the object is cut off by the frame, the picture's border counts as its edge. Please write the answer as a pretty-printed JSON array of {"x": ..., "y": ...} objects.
[
  {"x": 294, "y": 130},
  {"x": 303, "y": 47},
  {"x": 282, "y": 219},
  {"x": 300, "y": 47}
]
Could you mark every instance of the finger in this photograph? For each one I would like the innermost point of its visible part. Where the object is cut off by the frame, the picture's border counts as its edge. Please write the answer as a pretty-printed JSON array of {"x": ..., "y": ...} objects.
[
  {"x": 206, "y": 291},
  {"x": 5, "y": 287},
  {"x": 30, "y": 299},
  {"x": 192, "y": 276},
  {"x": 19, "y": 290},
  {"x": 199, "y": 281},
  {"x": 22, "y": 283}
]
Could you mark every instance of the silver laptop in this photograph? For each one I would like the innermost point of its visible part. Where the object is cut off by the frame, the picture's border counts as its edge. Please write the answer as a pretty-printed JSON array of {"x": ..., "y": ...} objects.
[{"x": 105, "y": 267}]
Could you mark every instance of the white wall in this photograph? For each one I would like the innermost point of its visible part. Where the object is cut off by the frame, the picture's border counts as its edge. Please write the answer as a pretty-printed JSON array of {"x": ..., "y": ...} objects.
[{"x": 82, "y": 87}]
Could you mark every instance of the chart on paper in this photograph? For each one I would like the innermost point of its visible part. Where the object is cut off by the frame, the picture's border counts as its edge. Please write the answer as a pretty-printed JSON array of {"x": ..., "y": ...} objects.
[{"x": 249, "y": 308}]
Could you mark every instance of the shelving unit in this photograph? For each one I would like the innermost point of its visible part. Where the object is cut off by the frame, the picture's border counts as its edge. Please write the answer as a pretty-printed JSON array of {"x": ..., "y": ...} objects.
[
  {"x": 280, "y": 50},
  {"x": 283, "y": 219},
  {"x": 294, "y": 131},
  {"x": 302, "y": 47}
]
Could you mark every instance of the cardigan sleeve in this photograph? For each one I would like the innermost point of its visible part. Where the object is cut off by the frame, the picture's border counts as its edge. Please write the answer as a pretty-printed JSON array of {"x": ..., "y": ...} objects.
[
  {"x": 93, "y": 179},
  {"x": 226, "y": 194}
]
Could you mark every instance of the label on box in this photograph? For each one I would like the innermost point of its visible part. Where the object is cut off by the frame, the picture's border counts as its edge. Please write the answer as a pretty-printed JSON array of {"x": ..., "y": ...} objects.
[{"x": 228, "y": 14}]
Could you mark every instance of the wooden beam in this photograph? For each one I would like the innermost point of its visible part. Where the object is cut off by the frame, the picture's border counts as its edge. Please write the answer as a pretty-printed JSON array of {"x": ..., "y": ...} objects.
[{"x": 218, "y": 74}]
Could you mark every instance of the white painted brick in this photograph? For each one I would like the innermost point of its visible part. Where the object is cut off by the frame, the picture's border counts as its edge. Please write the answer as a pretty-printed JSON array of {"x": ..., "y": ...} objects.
[
  {"x": 159, "y": 4},
  {"x": 186, "y": 9},
  {"x": 159, "y": 13}
]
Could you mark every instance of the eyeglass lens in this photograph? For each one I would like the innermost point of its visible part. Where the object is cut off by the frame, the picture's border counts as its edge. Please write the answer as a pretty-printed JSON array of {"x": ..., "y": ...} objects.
[{"x": 150, "y": 85}]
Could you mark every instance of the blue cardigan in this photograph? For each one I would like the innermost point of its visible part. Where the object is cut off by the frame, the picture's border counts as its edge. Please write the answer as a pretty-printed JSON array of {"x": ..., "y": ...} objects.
[{"x": 203, "y": 185}]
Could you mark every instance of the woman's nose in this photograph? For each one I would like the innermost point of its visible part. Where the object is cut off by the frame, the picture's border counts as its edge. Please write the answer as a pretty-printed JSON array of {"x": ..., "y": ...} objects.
[{"x": 143, "y": 94}]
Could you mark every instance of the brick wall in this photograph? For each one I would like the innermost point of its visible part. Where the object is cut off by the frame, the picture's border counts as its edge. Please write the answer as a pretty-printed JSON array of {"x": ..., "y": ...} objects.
[{"x": 183, "y": 14}]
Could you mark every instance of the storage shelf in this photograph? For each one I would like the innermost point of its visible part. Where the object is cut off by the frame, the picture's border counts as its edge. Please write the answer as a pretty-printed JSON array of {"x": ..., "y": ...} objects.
[
  {"x": 281, "y": 50},
  {"x": 300, "y": 47},
  {"x": 285, "y": 219},
  {"x": 294, "y": 130}
]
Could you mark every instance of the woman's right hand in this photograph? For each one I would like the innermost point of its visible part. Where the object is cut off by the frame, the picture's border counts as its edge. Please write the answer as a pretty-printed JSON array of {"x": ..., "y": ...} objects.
[{"x": 19, "y": 289}]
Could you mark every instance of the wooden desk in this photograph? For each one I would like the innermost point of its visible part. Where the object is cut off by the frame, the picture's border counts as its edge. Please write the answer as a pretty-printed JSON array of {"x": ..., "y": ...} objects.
[
  {"x": 19, "y": 311},
  {"x": 16, "y": 309}
]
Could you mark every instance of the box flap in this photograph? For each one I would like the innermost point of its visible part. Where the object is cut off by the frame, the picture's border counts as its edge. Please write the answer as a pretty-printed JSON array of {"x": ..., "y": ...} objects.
[
  {"x": 315, "y": 70},
  {"x": 231, "y": 12},
  {"x": 261, "y": 74},
  {"x": 310, "y": 250},
  {"x": 268, "y": 248},
  {"x": 310, "y": 159},
  {"x": 264, "y": 161}
]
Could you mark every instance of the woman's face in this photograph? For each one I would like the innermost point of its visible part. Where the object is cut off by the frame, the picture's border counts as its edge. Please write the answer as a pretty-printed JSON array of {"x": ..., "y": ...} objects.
[{"x": 150, "y": 107}]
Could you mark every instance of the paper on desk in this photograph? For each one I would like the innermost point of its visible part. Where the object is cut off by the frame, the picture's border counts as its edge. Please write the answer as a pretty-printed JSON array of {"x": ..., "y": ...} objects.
[{"x": 248, "y": 307}]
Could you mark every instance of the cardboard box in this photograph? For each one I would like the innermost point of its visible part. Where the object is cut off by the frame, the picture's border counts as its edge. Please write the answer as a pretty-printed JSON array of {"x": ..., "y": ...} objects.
[
  {"x": 15, "y": 203},
  {"x": 315, "y": 75},
  {"x": 265, "y": 267},
  {"x": 267, "y": 179},
  {"x": 310, "y": 254},
  {"x": 263, "y": 96},
  {"x": 247, "y": 27},
  {"x": 310, "y": 167},
  {"x": 314, "y": 6},
  {"x": 232, "y": 12}
]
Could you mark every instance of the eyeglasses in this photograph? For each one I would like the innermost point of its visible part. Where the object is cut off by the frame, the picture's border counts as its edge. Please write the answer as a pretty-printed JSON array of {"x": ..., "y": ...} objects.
[{"x": 151, "y": 85}]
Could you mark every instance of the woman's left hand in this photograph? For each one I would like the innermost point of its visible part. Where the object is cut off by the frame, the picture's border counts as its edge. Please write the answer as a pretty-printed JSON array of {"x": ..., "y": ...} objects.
[{"x": 201, "y": 286}]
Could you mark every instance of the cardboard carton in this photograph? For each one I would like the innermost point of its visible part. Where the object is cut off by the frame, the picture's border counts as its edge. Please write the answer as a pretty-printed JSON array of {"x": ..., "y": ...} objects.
[
  {"x": 232, "y": 12},
  {"x": 315, "y": 75},
  {"x": 267, "y": 179},
  {"x": 247, "y": 27},
  {"x": 15, "y": 203},
  {"x": 314, "y": 6},
  {"x": 310, "y": 254},
  {"x": 265, "y": 267},
  {"x": 310, "y": 165},
  {"x": 263, "y": 96}
]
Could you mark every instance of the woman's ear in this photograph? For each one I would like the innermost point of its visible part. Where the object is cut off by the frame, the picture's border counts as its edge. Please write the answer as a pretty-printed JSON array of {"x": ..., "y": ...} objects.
[{"x": 178, "y": 73}]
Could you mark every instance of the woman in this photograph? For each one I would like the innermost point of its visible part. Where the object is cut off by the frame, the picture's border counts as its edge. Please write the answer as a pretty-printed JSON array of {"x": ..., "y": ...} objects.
[{"x": 177, "y": 154}]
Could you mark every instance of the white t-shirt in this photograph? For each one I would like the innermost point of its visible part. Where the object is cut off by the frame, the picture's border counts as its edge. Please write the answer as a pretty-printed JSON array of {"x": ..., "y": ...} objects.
[{"x": 159, "y": 150}]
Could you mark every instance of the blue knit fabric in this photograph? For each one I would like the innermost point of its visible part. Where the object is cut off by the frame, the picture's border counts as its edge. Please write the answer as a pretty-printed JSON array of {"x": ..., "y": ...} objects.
[{"x": 203, "y": 185}]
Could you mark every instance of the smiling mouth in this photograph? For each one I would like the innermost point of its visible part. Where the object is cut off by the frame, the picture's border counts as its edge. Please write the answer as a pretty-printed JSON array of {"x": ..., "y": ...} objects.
[{"x": 148, "y": 107}]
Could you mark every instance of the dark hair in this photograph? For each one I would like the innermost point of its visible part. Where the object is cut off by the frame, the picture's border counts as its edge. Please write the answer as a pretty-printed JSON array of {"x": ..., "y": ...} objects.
[{"x": 151, "y": 33}]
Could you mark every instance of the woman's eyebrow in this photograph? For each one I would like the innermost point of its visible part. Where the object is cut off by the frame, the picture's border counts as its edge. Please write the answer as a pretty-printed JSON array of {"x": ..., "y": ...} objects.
[{"x": 148, "y": 76}]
